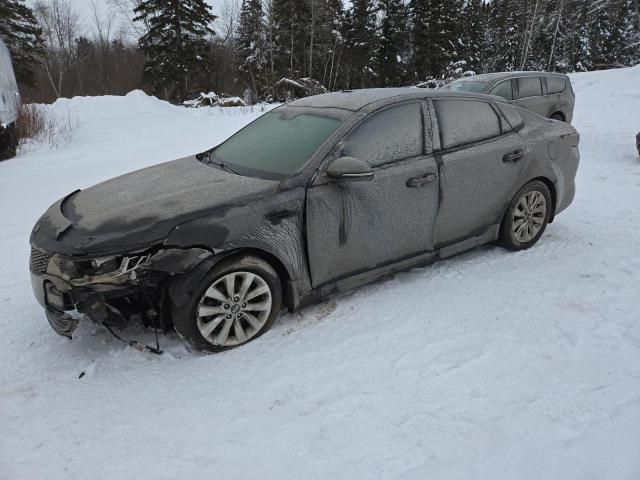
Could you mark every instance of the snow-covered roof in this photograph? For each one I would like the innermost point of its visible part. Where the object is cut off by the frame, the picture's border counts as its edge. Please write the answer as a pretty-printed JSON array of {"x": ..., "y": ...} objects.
[
  {"x": 491, "y": 77},
  {"x": 355, "y": 100}
]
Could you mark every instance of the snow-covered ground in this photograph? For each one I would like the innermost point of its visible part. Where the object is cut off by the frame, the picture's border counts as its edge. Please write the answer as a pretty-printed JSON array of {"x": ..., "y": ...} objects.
[{"x": 491, "y": 365}]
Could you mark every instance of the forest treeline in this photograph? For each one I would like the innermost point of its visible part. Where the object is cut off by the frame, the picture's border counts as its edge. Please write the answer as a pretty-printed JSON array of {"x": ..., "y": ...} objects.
[{"x": 176, "y": 49}]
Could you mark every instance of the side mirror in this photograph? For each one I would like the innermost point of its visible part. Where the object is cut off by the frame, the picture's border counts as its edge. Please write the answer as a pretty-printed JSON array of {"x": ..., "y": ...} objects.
[{"x": 349, "y": 169}]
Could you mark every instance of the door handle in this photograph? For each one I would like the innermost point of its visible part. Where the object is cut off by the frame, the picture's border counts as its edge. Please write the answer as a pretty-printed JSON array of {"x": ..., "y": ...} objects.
[
  {"x": 513, "y": 156},
  {"x": 416, "y": 182}
]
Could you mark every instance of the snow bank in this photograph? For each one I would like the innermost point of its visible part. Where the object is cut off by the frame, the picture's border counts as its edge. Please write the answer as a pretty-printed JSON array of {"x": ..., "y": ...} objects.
[{"x": 492, "y": 365}]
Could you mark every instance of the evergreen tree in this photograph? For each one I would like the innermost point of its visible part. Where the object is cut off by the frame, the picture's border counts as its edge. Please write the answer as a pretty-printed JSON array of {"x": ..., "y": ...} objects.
[
  {"x": 251, "y": 44},
  {"x": 507, "y": 27},
  {"x": 392, "y": 51},
  {"x": 324, "y": 39},
  {"x": 631, "y": 33},
  {"x": 361, "y": 44},
  {"x": 175, "y": 44},
  {"x": 435, "y": 36},
  {"x": 472, "y": 40},
  {"x": 331, "y": 41},
  {"x": 23, "y": 37},
  {"x": 291, "y": 19}
]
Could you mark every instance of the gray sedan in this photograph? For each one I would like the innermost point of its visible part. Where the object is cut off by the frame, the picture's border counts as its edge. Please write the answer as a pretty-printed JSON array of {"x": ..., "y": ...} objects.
[{"x": 319, "y": 195}]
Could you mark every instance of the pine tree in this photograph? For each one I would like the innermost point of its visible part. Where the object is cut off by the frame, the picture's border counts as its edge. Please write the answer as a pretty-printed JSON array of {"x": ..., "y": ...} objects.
[
  {"x": 175, "y": 44},
  {"x": 331, "y": 39},
  {"x": 23, "y": 37},
  {"x": 507, "y": 29},
  {"x": 291, "y": 19},
  {"x": 631, "y": 33},
  {"x": 361, "y": 43},
  {"x": 435, "y": 36},
  {"x": 251, "y": 45},
  {"x": 324, "y": 39},
  {"x": 392, "y": 51},
  {"x": 472, "y": 38}
]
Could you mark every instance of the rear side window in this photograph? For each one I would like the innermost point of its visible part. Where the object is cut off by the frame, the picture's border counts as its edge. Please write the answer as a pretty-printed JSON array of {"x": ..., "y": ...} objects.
[
  {"x": 529, "y": 87},
  {"x": 465, "y": 121},
  {"x": 390, "y": 135},
  {"x": 503, "y": 89},
  {"x": 556, "y": 84},
  {"x": 511, "y": 114}
]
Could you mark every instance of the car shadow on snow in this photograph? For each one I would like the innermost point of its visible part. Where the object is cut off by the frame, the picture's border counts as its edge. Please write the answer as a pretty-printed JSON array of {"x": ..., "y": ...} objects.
[{"x": 98, "y": 340}]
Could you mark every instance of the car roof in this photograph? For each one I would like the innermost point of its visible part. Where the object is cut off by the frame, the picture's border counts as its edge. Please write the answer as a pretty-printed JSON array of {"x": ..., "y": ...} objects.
[
  {"x": 492, "y": 77},
  {"x": 354, "y": 100}
]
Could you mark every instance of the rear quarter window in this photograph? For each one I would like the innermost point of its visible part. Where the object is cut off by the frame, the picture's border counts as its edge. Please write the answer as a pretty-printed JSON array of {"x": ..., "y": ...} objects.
[
  {"x": 556, "y": 84},
  {"x": 465, "y": 121},
  {"x": 511, "y": 114},
  {"x": 529, "y": 87}
]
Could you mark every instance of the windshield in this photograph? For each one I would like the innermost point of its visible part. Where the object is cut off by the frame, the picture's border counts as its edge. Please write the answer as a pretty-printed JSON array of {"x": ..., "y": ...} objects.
[
  {"x": 466, "y": 86},
  {"x": 276, "y": 145}
]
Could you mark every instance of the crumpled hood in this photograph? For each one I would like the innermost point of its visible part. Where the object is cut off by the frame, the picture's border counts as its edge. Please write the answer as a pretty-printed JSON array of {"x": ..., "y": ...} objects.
[{"x": 142, "y": 207}]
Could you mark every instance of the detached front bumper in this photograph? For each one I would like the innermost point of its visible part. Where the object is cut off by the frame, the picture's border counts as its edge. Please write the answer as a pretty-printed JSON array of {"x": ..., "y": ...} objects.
[
  {"x": 119, "y": 288},
  {"x": 64, "y": 302}
]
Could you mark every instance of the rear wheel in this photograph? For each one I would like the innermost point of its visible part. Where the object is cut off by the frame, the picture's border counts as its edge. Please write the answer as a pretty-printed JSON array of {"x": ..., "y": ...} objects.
[
  {"x": 236, "y": 302},
  {"x": 527, "y": 216},
  {"x": 557, "y": 116}
]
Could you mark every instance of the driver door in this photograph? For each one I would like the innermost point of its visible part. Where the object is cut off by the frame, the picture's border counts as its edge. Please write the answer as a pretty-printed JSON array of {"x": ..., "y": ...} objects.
[{"x": 353, "y": 227}]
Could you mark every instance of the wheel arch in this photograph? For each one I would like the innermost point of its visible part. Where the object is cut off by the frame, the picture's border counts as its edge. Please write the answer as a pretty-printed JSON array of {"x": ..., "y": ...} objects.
[
  {"x": 560, "y": 114},
  {"x": 554, "y": 194},
  {"x": 289, "y": 297},
  {"x": 552, "y": 189}
]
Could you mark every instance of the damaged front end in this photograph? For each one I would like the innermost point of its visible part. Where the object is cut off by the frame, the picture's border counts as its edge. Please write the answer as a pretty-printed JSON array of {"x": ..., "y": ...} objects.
[{"x": 109, "y": 290}]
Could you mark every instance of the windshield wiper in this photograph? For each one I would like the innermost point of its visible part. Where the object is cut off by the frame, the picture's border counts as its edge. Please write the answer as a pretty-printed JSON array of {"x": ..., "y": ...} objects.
[
  {"x": 205, "y": 157},
  {"x": 227, "y": 167}
]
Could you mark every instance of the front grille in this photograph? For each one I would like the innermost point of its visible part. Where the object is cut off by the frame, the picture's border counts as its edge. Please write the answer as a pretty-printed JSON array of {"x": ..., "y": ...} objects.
[{"x": 39, "y": 260}]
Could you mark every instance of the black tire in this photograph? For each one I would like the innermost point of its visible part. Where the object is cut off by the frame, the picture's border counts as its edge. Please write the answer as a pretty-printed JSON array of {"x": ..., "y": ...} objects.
[
  {"x": 185, "y": 317},
  {"x": 508, "y": 238},
  {"x": 558, "y": 116}
]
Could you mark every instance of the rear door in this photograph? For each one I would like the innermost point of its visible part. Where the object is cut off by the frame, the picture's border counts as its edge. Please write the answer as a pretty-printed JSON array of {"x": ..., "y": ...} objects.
[
  {"x": 481, "y": 161},
  {"x": 356, "y": 227},
  {"x": 530, "y": 95}
]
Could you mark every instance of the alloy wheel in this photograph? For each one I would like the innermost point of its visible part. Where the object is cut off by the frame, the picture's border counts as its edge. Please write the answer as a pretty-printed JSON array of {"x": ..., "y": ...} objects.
[
  {"x": 234, "y": 309},
  {"x": 529, "y": 216}
]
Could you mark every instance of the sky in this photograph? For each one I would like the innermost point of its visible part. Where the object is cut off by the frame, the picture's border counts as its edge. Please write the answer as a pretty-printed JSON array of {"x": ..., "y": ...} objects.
[{"x": 83, "y": 8}]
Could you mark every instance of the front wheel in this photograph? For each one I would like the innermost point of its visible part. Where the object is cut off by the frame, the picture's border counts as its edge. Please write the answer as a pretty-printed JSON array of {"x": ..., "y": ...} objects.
[
  {"x": 527, "y": 217},
  {"x": 235, "y": 302}
]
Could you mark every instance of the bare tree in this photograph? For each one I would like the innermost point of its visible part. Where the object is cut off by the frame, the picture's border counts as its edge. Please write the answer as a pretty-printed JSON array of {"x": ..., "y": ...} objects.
[
  {"x": 228, "y": 20},
  {"x": 60, "y": 24},
  {"x": 103, "y": 33},
  {"x": 124, "y": 10},
  {"x": 529, "y": 35},
  {"x": 555, "y": 34}
]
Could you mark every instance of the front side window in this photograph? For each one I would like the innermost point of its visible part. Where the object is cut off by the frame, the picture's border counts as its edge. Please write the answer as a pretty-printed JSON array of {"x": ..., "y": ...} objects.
[
  {"x": 390, "y": 135},
  {"x": 503, "y": 89},
  {"x": 465, "y": 121},
  {"x": 529, "y": 87},
  {"x": 556, "y": 84},
  {"x": 278, "y": 144}
]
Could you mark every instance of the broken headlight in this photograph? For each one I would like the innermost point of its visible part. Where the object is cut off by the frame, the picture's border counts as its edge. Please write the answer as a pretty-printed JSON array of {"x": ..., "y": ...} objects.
[{"x": 71, "y": 268}]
